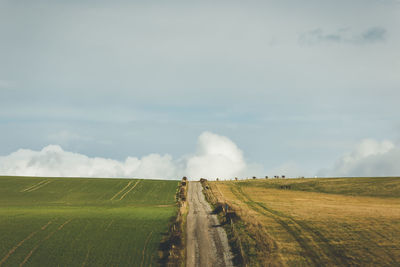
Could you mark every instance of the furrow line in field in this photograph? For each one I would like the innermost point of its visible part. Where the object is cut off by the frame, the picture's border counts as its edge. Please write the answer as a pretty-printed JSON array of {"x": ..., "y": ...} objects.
[
  {"x": 127, "y": 192},
  {"x": 37, "y": 187},
  {"x": 86, "y": 258},
  {"x": 318, "y": 239},
  {"x": 108, "y": 226},
  {"x": 32, "y": 186},
  {"x": 296, "y": 227},
  {"x": 45, "y": 226},
  {"x": 41, "y": 241},
  {"x": 65, "y": 223},
  {"x": 144, "y": 248},
  {"x": 287, "y": 225},
  {"x": 20, "y": 244},
  {"x": 119, "y": 192},
  {"x": 29, "y": 255},
  {"x": 17, "y": 246}
]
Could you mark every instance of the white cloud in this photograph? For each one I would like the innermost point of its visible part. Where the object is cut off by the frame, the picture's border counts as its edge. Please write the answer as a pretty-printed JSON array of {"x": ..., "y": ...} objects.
[
  {"x": 217, "y": 156},
  {"x": 369, "y": 158},
  {"x": 52, "y": 160}
]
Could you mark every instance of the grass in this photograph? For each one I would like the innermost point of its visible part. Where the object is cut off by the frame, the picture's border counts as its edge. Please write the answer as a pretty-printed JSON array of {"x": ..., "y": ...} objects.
[
  {"x": 83, "y": 221},
  {"x": 366, "y": 186},
  {"x": 317, "y": 222}
]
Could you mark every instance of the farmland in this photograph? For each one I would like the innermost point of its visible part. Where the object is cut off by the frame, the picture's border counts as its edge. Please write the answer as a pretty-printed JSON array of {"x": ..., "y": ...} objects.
[
  {"x": 315, "y": 222},
  {"x": 83, "y": 221}
]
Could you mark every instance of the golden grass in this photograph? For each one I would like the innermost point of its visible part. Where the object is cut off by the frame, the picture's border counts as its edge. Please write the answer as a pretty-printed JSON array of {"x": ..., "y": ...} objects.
[{"x": 299, "y": 228}]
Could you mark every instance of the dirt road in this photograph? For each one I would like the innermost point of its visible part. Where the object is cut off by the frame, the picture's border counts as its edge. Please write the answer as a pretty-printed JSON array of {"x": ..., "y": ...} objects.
[{"x": 207, "y": 244}]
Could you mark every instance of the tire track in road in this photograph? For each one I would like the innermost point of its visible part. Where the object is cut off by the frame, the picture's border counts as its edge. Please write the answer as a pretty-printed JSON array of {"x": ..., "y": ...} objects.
[{"x": 207, "y": 243}]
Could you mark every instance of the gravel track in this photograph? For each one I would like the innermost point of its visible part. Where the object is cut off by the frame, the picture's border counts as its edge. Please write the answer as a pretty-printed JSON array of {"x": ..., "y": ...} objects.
[{"x": 207, "y": 244}]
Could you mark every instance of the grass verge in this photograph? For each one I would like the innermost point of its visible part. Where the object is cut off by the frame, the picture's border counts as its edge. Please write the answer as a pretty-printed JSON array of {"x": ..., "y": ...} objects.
[{"x": 173, "y": 246}]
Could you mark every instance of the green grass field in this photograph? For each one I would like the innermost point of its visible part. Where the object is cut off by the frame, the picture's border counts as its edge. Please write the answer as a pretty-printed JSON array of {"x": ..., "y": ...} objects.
[
  {"x": 83, "y": 221},
  {"x": 317, "y": 222}
]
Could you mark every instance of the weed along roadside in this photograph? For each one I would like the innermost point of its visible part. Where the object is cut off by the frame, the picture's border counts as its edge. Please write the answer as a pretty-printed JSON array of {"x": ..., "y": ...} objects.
[
  {"x": 173, "y": 248},
  {"x": 229, "y": 219}
]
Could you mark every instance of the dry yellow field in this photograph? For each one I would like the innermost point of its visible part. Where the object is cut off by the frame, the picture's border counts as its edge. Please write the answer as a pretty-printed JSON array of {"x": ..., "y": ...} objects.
[{"x": 316, "y": 222}]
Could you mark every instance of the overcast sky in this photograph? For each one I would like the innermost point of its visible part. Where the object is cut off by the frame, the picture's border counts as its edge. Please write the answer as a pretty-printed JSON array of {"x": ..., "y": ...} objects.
[{"x": 294, "y": 85}]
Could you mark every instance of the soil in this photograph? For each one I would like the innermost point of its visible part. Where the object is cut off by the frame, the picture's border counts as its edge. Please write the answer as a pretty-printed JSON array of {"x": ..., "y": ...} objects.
[{"x": 207, "y": 243}]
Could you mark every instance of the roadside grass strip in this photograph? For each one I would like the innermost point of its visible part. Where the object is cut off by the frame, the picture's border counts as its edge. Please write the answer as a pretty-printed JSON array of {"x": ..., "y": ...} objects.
[
  {"x": 119, "y": 192},
  {"x": 31, "y": 188},
  {"x": 3, "y": 260},
  {"x": 127, "y": 192}
]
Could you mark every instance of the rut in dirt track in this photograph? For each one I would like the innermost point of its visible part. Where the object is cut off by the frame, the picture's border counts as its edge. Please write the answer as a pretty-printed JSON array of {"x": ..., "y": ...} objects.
[{"x": 207, "y": 244}]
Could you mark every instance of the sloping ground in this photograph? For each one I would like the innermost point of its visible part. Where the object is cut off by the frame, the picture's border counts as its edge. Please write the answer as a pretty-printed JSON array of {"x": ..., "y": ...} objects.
[
  {"x": 83, "y": 222},
  {"x": 316, "y": 222}
]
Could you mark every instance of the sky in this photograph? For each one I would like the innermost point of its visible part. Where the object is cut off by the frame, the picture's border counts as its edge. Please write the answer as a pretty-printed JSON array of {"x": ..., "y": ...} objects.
[{"x": 161, "y": 89}]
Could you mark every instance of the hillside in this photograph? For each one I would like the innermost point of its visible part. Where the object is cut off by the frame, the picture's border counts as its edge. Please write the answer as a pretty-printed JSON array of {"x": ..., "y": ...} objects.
[
  {"x": 83, "y": 221},
  {"x": 315, "y": 222}
]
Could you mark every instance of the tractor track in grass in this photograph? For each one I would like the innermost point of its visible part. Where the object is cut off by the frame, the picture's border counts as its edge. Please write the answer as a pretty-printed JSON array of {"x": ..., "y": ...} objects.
[
  {"x": 296, "y": 229},
  {"x": 119, "y": 192},
  {"x": 86, "y": 257},
  {"x": 40, "y": 186},
  {"x": 109, "y": 225},
  {"x": 130, "y": 189},
  {"x": 144, "y": 248},
  {"x": 30, "y": 253},
  {"x": 126, "y": 192},
  {"x": 4, "y": 259},
  {"x": 36, "y": 186}
]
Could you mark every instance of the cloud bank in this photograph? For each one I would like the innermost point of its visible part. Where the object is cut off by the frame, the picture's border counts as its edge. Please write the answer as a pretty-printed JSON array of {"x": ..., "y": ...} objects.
[
  {"x": 369, "y": 158},
  {"x": 216, "y": 156}
]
